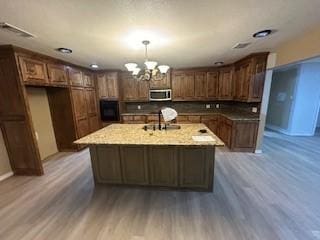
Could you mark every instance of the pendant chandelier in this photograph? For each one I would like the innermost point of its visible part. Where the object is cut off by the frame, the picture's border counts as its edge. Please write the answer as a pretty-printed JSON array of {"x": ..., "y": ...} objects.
[{"x": 151, "y": 71}]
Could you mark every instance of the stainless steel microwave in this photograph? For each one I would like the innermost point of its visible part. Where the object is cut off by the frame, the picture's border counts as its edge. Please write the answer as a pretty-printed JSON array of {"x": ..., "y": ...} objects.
[{"x": 160, "y": 95}]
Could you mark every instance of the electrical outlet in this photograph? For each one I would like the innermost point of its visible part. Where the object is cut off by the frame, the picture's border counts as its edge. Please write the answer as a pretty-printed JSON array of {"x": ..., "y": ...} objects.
[
  {"x": 217, "y": 105},
  {"x": 139, "y": 107},
  {"x": 254, "y": 109},
  {"x": 208, "y": 106}
]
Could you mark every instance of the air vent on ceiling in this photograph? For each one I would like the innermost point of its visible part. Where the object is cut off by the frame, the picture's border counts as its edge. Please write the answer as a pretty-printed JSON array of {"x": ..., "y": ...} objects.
[
  {"x": 16, "y": 30},
  {"x": 241, "y": 45}
]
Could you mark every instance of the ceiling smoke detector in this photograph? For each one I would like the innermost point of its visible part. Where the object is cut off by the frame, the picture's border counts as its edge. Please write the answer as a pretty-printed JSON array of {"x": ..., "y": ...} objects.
[
  {"x": 241, "y": 45},
  {"x": 10, "y": 28}
]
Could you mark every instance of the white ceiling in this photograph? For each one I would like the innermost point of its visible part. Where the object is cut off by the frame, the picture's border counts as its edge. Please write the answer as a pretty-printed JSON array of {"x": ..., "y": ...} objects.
[{"x": 183, "y": 33}]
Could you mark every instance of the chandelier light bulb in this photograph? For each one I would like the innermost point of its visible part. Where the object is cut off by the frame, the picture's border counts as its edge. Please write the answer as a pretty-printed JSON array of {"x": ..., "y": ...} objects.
[
  {"x": 136, "y": 71},
  {"x": 151, "y": 65},
  {"x": 131, "y": 66},
  {"x": 163, "y": 68}
]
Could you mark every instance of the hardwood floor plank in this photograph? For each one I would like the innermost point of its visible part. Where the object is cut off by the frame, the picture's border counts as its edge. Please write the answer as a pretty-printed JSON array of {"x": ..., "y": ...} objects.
[{"x": 274, "y": 195}]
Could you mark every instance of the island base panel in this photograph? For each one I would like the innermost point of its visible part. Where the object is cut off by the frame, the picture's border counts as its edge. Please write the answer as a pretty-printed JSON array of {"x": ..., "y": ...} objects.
[{"x": 178, "y": 167}]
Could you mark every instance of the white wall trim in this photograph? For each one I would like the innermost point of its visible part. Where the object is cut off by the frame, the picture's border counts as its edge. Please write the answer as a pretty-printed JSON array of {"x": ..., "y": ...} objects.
[
  {"x": 5, "y": 176},
  {"x": 286, "y": 132}
]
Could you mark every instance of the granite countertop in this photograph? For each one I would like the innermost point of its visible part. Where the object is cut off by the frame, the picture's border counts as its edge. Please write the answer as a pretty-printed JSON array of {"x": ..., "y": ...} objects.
[
  {"x": 133, "y": 134},
  {"x": 232, "y": 115}
]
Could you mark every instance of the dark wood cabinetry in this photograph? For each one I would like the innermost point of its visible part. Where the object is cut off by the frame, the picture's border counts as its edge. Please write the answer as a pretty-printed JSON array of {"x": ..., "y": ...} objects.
[
  {"x": 200, "y": 85},
  {"x": 134, "y": 90},
  {"x": 57, "y": 74},
  {"x": 164, "y": 82},
  {"x": 183, "y": 86},
  {"x": 75, "y": 77},
  {"x": 249, "y": 78},
  {"x": 225, "y": 130},
  {"x": 225, "y": 86},
  {"x": 212, "y": 85},
  {"x": 212, "y": 122},
  {"x": 108, "y": 85},
  {"x": 33, "y": 71}
]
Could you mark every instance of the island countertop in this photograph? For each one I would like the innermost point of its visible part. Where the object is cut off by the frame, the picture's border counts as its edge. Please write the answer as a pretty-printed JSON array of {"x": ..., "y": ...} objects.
[{"x": 133, "y": 134}]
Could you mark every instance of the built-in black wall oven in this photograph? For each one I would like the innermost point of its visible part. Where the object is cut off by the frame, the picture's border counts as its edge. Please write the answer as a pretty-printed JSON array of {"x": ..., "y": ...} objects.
[{"x": 109, "y": 110}]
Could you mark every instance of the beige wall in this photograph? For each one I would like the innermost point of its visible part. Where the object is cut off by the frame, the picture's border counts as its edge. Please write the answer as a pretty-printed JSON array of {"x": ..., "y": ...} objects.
[
  {"x": 4, "y": 160},
  {"x": 300, "y": 48},
  {"x": 41, "y": 118}
]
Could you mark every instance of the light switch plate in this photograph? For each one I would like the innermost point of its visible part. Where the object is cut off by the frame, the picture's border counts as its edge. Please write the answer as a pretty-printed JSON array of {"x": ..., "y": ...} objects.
[
  {"x": 254, "y": 110},
  {"x": 218, "y": 105},
  {"x": 208, "y": 106},
  {"x": 139, "y": 107}
]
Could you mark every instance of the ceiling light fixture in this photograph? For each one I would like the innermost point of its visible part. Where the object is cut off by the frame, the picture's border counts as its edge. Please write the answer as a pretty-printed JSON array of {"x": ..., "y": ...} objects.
[
  {"x": 262, "y": 34},
  {"x": 218, "y": 63},
  {"x": 150, "y": 71},
  {"x": 94, "y": 65},
  {"x": 64, "y": 50}
]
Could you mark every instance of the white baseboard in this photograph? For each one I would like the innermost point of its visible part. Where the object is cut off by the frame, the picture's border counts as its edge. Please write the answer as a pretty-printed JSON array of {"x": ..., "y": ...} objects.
[
  {"x": 258, "y": 151},
  {"x": 5, "y": 176}
]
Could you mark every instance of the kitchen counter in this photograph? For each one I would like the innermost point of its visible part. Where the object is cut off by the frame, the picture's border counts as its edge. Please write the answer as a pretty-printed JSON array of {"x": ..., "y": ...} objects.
[
  {"x": 126, "y": 154},
  {"x": 134, "y": 134},
  {"x": 232, "y": 115}
]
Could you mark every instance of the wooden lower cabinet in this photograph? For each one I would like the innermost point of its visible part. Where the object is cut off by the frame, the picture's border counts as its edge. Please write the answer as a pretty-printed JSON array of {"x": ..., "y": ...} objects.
[
  {"x": 134, "y": 119},
  {"x": 244, "y": 135},
  {"x": 196, "y": 167},
  {"x": 163, "y": 166},
  {"x": 134, "y": 165},
  {"x": 225, "y": 130},
  {"x": 185, "y": 167},
  {"x": 212, "y": 122}
]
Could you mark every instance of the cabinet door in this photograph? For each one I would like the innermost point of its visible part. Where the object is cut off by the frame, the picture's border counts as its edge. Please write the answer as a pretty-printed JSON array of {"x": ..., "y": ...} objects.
[
  {"x": 106, "y": 164},
  {"x": 164, "y": 82},
  {"x": 88, "y": 79},
  {"x": 163, "y": 166},
  {"x": 79, "y": 103},
  {"x": 211, "y": 122},
  {"x": 102, "y": 85},
  {"x": 225, "y": 131},
  {"x": 226, "y": 84},
  {"x": 177, "y": 93},
  {"x": 94, "y": 123},
  {"x": 83, "y": 127},
  {"x": 194, "y": 165},
  {"x": 112, "y": 85},
  {"x": 134, "y": 165},
  {"x": 245, "y": 135},
  {"x": 33, "y": 70},
  {"x": 212, "y": 85},
  {"x": 57, "y": 74},
  {"x": 188, "y": 88},
  {"x": 91, "y": 102},
  {"x": 75, "y": 76},
  {"x": 130, "y": 87},
  {"x": 200, "y": 85},
  {"x": 143, "y": 90},
  {"x": 257, "y": 80}
]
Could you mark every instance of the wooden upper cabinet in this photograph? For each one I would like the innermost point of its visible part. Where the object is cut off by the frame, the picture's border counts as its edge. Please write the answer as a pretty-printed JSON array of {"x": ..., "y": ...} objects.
[
  {"x": 200, "y": 85},
  {"x": 112, "y": 85},
  {"x": 250, "y": 75},
  {"x": 102, "y": 85},
  {"x": 134, "y": 90},
  {"x": 57, "y": 74},
  {"x": 164, "y": 82},
  {"x": 225, "y": 91},
  {"x": 75, "y": 76},
  {"x": 177, "y": 79},
  {"x": 257, "y": 81},
  {"x": 88, "y": 80},
  {"x": 188, "y": 86},
  {"x": 212, "y": 85},
  {"x": 183, "y": 86},
  {"x": 33, "y": 70}
]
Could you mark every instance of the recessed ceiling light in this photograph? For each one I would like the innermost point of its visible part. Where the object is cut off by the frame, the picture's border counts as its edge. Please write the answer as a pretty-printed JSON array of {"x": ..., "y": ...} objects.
[
  {"x": 218, "y": 63},
  {"x": 262, "y": 34},
  {"x": 94, "y": 66},
  {"x": 64, "y": 50}
]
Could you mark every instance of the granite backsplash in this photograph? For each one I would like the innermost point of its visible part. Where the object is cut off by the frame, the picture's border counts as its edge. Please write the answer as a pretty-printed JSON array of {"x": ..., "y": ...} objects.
[{"x": 133, "y": 107}]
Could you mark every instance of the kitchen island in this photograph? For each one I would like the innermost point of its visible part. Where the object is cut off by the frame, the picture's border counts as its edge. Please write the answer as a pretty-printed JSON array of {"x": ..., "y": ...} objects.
[{"x": 129, "y": 155}]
